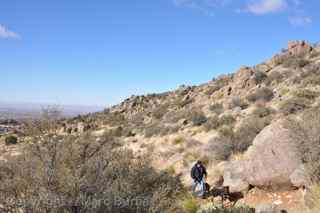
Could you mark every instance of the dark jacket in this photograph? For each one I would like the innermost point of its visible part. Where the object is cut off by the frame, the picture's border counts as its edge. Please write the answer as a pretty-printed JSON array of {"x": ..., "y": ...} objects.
[{"x": 197, "y": 173}]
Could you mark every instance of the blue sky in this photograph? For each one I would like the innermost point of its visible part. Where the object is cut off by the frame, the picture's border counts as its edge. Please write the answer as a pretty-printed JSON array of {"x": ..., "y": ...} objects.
[{"x": 97, "y": 52}]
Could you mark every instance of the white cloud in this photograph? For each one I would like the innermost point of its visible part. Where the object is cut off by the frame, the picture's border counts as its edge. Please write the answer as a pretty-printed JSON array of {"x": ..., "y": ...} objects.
[
  {"x": 5, "y": 33},
  {"x": 262, "y": 7},
  {"x": 298, "y": 21},
  {"x": 205, "y": 6}
]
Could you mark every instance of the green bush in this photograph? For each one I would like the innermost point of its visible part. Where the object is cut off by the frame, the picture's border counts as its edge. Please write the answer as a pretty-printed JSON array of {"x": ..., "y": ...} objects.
[
  {"x": 190, "y": 205},
  {"x": 275, "y": 76},
  {"x": 294, "y": 62},
  {"x": 261, "y": 111},
  {"x": 211, "y": 208},
  {"x": 160, "y": 111},
  {"x": 215, "y": 122},
  {"x": 221, "y": 148},
  {"x": 216, "y": 108},
  {"x": 261, "y": 94},
  {"x": 237, "y": 102},
  {"x": 247, "y": 131},
  {"x": 293, "y": 105},
  {"x": 259, "y": 77},
  {"x": 77, "y": 173},
  {"x": 198, "y": 118},
  {"x": 313, "y": 79},
  {"x": 212, "y": 123},
  {"x": 11, "y": 140},
  {"x": 179, "y": 140},
  {"x": 227, "y": 120}
]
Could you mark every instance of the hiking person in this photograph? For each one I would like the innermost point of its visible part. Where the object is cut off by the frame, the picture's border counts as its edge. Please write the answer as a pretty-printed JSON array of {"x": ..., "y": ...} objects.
[{"x": 199, "y": 176}]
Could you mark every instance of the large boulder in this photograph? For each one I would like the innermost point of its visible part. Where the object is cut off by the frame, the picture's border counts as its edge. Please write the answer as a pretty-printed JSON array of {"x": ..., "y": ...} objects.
[{"x": 272, "y": 161}]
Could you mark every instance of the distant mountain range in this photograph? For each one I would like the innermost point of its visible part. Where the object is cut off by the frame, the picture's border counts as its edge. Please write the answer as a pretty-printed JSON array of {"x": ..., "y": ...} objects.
[{"x": 33, "y": 110}]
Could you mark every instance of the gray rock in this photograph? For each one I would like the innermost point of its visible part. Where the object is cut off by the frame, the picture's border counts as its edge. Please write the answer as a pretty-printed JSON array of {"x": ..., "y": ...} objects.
[
  {"x": 298, "y": 177},
  {"x": 269, "y": 162},
  {"x": 265, "y": 208}
]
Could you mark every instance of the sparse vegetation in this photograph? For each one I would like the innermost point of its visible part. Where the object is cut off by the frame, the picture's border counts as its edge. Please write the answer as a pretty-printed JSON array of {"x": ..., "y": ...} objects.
[
  {"x": 261, "y": 111},
  {"x": 314, "y": 199},
  {"x": 212, "y": 123},
  {"x": 225, "y": 121},
  {"x": 88, "y": 171},
  {"x": 11, "y": 140},
  {"x": 211, "y": 208},
  {"x": 305, "y": 93},
  {"x": 237, "y": 102},
  {"x": 293, "y": 105},
  {"x": 179, "y": 140},
  {"x": 198, "y": 118},
  {"x": 261, "y": 94},
  {"x": 275, "y": 76},
  {"x": 190, "y": 205},
  {"x": 221, "y": 148},
  {"x": 259, "y": 77},
  {"x": 216, "y": 108},
  {"x": 293, "y": 62},
  {"x": 247, "y": 131}
]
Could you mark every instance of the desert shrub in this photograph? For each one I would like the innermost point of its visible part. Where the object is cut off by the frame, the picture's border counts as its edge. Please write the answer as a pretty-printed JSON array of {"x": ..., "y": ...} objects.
[
  {"x": 314, "y": 54},
  {"x": 237, "y": 102},
  {"x": 293, "y": 105},
  {"x": 261, "y": 111},
  {"x": 226, "y": 131},
  {"x": 179, "y": 140},
  {"x": 247, "y": 131},
  {"x": 212, "y": 123},
  {"x": 221, "y": 148},
  {"x": 198, "y": 118},
  {"x": 77, "y": 175},
  {"x": 11, "y": 140},
  {"x": 311, "y": 146},
  {"x": 311, "y": 75},
  {"x": 48, "y": 122},
  {"x": 313, "y": 79},
  {"x": 259, "y": 77},
  {"x": 171, "y": 170},
  {"x": 224, "y": 122},
  {"x": 293, "y": 62},
  {"x": 212, "y": 89},
  {"x": 190, "y": 205},
  {"x": 176, "y": 116},
  {"x": 216, "y": 108},
  {"x": 212, "y": 208},
  {"x": 137, "y": 120},
  {"x": 160, "y": 111},
  {"x": 114, "y": 119},
  {"x": 261, "y": 94},
  {"x": 280, "y": 59},
  {"x": 155, "y": 129},
  {"x": 313, "y": 200},
  {"x": 275, "y": 76},
  {"x": 305, "y": 93},
  {"x": 181, "y": 102},
  {"x": 307, "y": 132},
  {"x": 227, "y": 120}
]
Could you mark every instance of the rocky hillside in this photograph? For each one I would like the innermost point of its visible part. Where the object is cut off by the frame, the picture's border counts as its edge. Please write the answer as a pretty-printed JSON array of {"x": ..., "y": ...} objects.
[{"x": 256, "y": 128}]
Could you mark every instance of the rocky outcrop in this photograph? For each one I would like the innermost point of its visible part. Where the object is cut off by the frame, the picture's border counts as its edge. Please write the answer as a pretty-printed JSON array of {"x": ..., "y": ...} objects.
[
  {"x": 298, "y": 48},
  {"x": 272, "y": 161}
]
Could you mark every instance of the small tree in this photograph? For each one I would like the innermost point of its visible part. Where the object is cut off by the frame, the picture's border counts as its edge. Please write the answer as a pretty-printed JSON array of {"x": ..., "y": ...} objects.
[{"x": 11, "y": 140}]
